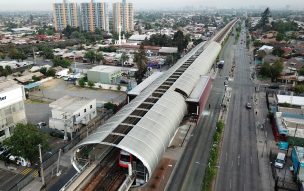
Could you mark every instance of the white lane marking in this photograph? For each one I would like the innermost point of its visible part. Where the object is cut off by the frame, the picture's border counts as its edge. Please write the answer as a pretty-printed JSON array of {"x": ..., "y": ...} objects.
[
  {"x": 230, "y": 184},
  {"x": 232, "y": 164},
  {"x": 239, "y": 160}
]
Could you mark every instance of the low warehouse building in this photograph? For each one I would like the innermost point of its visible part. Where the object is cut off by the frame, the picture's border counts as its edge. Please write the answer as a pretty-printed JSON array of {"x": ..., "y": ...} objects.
[
  {"x": 105, "y": 74},
  {"x": 70, "y": 113}
]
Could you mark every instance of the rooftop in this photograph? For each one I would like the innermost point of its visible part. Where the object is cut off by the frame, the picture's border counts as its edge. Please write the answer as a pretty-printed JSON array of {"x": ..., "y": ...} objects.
[
  {"x": 293, "y": 100},
  {"x": 8, "y": 84},
  {"x": 105, "y": 69},
  {"x": 70, "y": 104}
]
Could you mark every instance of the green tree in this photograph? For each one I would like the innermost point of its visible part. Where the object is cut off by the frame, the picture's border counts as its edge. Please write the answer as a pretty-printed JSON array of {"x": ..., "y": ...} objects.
[
  {"x": 43, "y": 70},
  {"x": 90, "y": 55},
  {"x": 51, "y": 72},
  {"x": 91, "y": 84},
  {"x": 2, "y": 55},
  {"x": 180, "y": 40},
  {"x": 99, "y": 57},
  {"x": 299, "y": 88},
  {"x": 264, "y": 19},
  {"x": 273, "y": 71},
  {"x": 35, "y": 78},
  {"x": 57, "y": 61},
  {"x": 81, "y": 82},
  {"x": 280, "y": 37},
  {"x": 8, "y": 69},
  {"x": 278, "y": 52},
  {"x": 301, "y": 71},
  {"x": 25, "y": 140},
  {"x": 141, "y": 62},
  {"x": 47, "y": 53}
]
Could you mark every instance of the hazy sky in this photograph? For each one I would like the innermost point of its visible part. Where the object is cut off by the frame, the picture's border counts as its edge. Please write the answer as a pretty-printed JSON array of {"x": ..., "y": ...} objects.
[{"x": 10, "y": 5}]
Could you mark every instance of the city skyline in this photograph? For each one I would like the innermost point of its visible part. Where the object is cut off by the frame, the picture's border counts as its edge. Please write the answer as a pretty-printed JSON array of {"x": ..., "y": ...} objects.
[{"x": 46, "y": 5}]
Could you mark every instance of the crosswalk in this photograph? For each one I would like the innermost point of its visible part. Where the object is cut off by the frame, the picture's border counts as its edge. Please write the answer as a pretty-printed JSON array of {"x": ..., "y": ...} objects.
[{"x": 26, "y": 171}]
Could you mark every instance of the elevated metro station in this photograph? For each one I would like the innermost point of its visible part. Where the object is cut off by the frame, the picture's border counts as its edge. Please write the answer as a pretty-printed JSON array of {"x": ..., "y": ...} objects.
[{"x": 146, "y": 126}]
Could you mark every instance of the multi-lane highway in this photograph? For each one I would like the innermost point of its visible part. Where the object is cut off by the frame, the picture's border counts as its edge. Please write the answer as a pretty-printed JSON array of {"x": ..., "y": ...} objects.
[
  {"x": 238, "y": 167},
  {"x": 190, "y": 171}
]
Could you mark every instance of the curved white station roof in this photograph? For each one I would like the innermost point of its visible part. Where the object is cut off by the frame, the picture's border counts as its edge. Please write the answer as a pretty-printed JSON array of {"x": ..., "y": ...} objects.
[{"x": 151, "y": 135}]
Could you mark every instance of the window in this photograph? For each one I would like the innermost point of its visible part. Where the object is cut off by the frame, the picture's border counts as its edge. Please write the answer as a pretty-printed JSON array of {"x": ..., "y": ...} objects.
[
  {"x": 91, "y": 106},
  {"x": 85, "y": 110}
]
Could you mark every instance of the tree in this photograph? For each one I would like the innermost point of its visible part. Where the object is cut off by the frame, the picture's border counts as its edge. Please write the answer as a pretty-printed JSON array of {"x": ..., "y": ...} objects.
[
  {"x": 25, "y": 140},
  {"x": 278, "y": 52},
  {"x": 57, "y": 61},
  {"x": 301, "y": 71},
  {"x": 43, "y": 70},
  {"x": 51, "y": 72},
  {"x": 264, "y": 19},
  {"x": 81, "y": 82},
  {"x": 99, "y": 57},
  {"x": 141, "y": 62},
  {"x": 8, "y": 69},
  {"x": 90, "y": 55},
  {"x": 91, "y": 84},
  {"x": 280, "y": 37},
  {"x": 47, "y": 53},
  {"x": 299, "y": 88},
  {"x": 273, "y": 71},
  {"x": 124, "y": 57},
  {"x": 180, "y": 40},
  {"x": 35, "y": 78},
  {"x": 2, "y": 55}
]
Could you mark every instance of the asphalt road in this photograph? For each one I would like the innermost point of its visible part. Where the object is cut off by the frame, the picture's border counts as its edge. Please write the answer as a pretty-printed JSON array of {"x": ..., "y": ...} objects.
[
  {"x": 238, "y": 167},
  {"x": 190, "y": 170}
]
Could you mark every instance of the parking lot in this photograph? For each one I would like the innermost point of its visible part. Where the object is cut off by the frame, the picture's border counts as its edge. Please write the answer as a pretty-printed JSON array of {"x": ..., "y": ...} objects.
[{"x": 57, "y": 88}]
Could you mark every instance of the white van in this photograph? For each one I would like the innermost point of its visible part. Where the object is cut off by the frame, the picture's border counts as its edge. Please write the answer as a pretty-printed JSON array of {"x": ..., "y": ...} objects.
[{"x": 280, "y": 160}]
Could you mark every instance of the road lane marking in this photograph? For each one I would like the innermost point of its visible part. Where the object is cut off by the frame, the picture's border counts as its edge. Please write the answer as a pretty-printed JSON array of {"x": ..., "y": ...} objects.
[
  {"x": 230, "y": 184},
  {"x": 232, "y": 164},
  {"x": 239, "y": 160}
]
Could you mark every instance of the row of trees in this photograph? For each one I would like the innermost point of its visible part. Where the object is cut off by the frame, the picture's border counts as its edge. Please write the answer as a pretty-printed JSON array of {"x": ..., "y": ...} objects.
[
  {"x": 7, "y": 70},
  {"x": 179, "y": 39},
  {"x": 94, "y": 56}
]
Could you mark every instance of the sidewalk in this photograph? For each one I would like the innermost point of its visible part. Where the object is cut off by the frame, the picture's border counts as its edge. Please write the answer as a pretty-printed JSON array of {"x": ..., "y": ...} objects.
[
  {"x": 265, "y": 141},
  {"x": 65, "y": 163}
]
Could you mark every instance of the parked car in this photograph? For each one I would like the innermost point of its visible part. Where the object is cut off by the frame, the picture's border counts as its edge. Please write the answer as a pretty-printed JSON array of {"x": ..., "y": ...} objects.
[
  {"x": 19, "y": 160},
  {"x": 248, "y": 105},
  {"x": 41, "y": 124},
  {"x": 280, "y": 160}
]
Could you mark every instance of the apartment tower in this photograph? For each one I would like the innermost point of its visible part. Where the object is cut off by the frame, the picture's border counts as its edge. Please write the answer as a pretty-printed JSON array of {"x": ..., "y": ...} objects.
[
  {"x": 123, "y": 17},
  {"x": 65, "y": 14},
  {"x": 94, "y": 15}
]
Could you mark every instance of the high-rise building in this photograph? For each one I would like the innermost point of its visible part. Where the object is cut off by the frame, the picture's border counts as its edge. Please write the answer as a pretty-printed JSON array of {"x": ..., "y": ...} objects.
[
  {"x": 64, "y": 14},
  {"x": 94, "y": 15},
  {"x": 123, "y": 16}
]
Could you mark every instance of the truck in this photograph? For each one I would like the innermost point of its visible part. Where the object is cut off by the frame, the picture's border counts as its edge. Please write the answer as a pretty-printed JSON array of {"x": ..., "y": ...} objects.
[{"x": 221, "y": 64}]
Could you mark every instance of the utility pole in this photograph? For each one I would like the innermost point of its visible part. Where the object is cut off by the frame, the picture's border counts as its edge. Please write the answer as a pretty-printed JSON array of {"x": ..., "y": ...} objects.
[
  {"x": 58, "y": 163},
  {"x": 41, "y": 166}
]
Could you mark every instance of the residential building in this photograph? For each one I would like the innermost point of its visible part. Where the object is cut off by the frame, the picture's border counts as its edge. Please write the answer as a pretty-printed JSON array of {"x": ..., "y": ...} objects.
[
  {"x": 65, "y": 14},
  {"x": 123, "y": 17},
  {"x": 12, "y": 110},
  {"x": 94, "y": 15},
  {"x": 70, "y": 113},
  {"x": 105, "y": 74}
]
